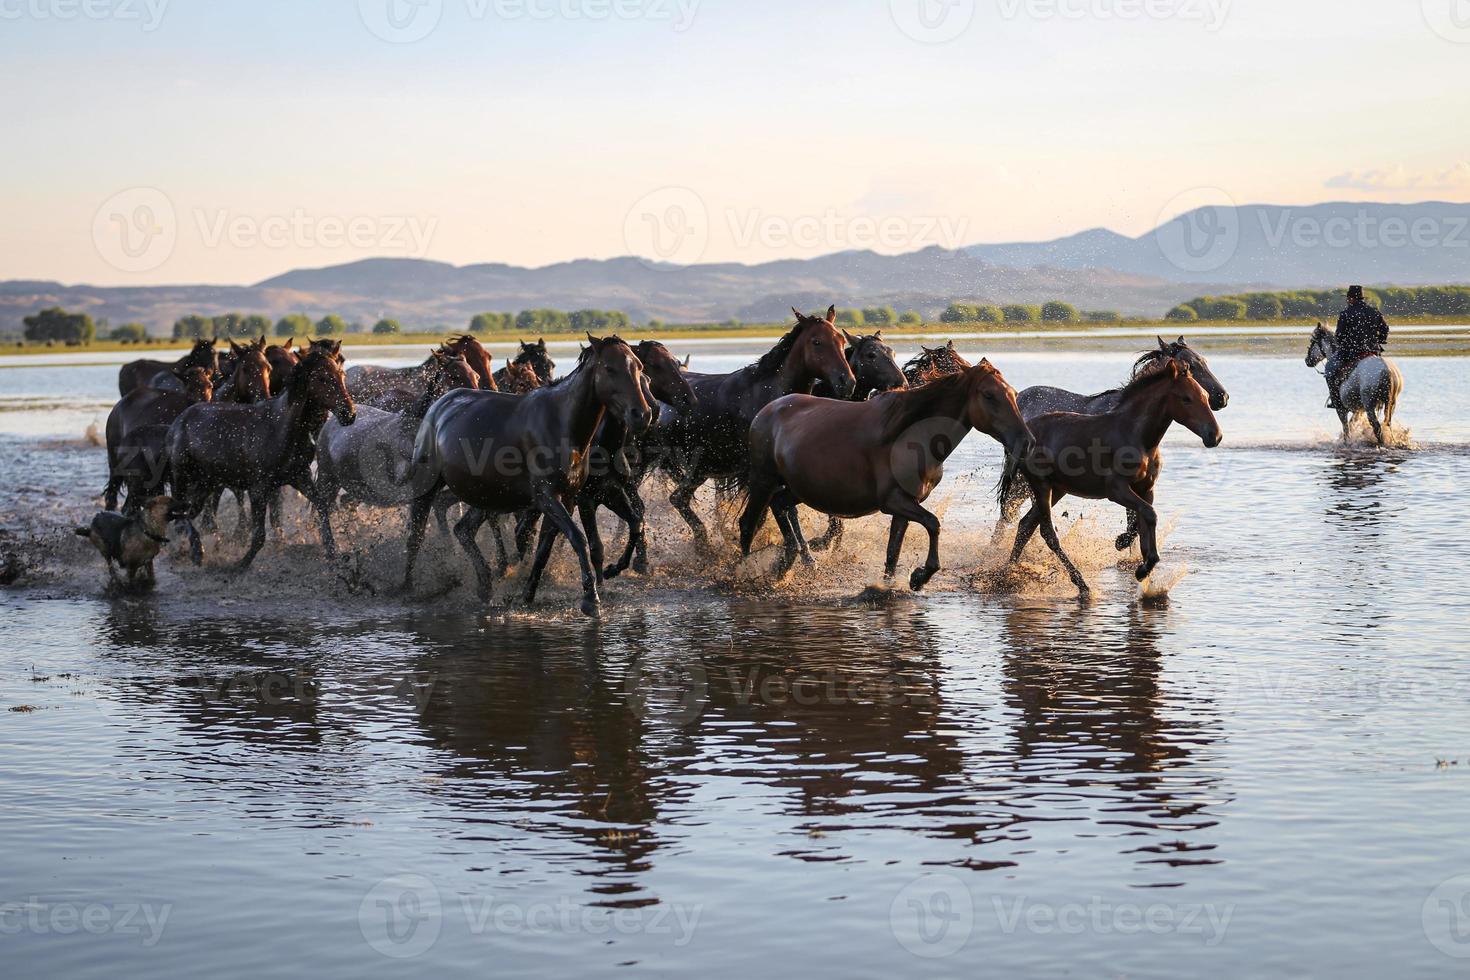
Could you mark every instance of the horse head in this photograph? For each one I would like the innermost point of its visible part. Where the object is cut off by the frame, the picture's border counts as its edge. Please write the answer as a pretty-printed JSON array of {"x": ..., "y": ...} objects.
[
  {"x": 538, "y": 359},
  {"x": 1321, "y": 347},
  {"x": 990, "y": 407},
  {"x": 198, "y": 383},
  {"x": 202, "y": 355},
  {"x": 815, "y": 350},
  {"x": 1179, "y": 350},
  {"x": 450, "y": 371},
  {"x": 519, "y": 378},
  {"x": 252, "y": 371},
  {"x": 320, "y": 380},
  {"x": 617, "y": 380},
  {"x": 478, "y": 357},
  {"x": 874, "y": 367},
  {"x": 1189, "y": 404},
  {"x": 665, "y": 375}
]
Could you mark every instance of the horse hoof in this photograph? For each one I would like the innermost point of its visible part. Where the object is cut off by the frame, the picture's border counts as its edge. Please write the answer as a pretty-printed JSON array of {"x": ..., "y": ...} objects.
[
  {"x": 808, "y": 561},
  {"x": 821, "y": 544},
  {"x": 1124, "y": 542},
  {"x": 640, "y": 566},
  {"x": 1143, "y": 571},
  {"x": 920, "y": 578},
  {"x": 590, "y": 607},
  {"x": 611, "y": 572}
]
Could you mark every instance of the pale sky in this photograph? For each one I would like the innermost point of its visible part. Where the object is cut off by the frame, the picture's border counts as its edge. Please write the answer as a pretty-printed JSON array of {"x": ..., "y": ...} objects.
[{"x": 226, "y": 141}]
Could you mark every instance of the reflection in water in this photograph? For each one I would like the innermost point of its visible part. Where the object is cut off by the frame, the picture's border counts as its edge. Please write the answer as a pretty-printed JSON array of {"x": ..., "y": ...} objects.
[{"x": 1360, "y": 498}]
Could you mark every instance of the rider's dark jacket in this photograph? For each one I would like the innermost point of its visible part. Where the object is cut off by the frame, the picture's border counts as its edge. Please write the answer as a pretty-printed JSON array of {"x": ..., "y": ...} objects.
[{"x": 1360, "y": 330}]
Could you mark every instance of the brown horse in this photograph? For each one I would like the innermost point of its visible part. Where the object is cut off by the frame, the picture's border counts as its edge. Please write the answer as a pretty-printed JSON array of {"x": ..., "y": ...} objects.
[
  {"x": 140, "y": 409},
  {"x": 503, "y": 454},
  {"x": 934, "y": 362},
  {"x": 535, "y": 357},
  {"x": 260, "y": 447},
  {"x": 382, "y": 387},
  {"x": 250, "y": 378},
  {"x": 1112, "y": 456},
  {"x": 709, "y": 438},
  {"x": 141, "y": 373},
  {"x": 517, "y": 378},
  {"x": 852, "y": 459},
  {"x": 283, "y": 361}
]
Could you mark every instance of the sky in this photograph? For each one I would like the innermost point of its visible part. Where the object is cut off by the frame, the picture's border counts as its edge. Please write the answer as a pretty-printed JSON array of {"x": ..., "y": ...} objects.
[{"x": 227, "y": 141}]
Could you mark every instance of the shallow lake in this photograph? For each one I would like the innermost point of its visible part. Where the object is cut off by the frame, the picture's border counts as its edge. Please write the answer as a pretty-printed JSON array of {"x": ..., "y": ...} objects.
[{"x": 300, "y": 770}]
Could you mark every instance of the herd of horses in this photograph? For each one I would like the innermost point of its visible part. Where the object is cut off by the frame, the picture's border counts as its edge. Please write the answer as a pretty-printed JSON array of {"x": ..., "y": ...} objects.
[{"x": 825, "y": 419}]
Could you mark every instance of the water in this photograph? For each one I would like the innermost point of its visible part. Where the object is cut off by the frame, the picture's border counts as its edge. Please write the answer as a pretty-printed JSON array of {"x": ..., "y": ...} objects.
[{"x": 298, "y": 770}]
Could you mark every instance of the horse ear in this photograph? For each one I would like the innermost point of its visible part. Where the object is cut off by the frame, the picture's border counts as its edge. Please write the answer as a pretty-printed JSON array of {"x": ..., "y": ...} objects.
[
  {"x": 949, "y": 346},
  {"x": 1174, "y": 367},
  {"x": 1181, "y": 342},
  {"x": 832, "y": 313},
  {"x": 798, "y": 313},
  {"x": 541, "y": 343},
  {"x": 1162, "y": 345},
  {"x": 851, "y": 340},
  {"x": 985, "y": 363},
  {"x": 594, "y": 341},
  {"x": 878, "y": 335}
]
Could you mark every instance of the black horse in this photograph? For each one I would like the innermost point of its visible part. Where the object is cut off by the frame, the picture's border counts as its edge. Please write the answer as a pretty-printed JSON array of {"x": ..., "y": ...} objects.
[
  {"x": 709, "y": 439},
  {"x": 503, "y": 454},
  {"x": 143, "y": 372},
  {"x": 534, "y": 356}
]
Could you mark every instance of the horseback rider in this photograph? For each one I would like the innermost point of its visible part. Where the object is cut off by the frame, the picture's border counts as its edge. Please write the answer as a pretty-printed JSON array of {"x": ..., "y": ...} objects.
[{"x": 1361, "y": 330}]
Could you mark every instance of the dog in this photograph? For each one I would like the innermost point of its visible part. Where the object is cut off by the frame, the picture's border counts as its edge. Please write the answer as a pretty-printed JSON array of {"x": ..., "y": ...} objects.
[{"x": 131, "y": 540}]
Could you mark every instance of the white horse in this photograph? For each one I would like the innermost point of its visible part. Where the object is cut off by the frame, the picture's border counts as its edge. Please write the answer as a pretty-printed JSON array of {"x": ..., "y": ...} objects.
[{"x": 1374, "y": 382}]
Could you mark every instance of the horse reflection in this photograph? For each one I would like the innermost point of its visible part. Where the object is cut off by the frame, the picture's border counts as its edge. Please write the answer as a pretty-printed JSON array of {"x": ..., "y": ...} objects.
[{"x": 1359, "y": 502}]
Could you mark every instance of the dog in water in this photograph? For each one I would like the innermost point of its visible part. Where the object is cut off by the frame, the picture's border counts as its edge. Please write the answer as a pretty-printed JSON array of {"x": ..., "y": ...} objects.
[{"x": 131, "y": 540}]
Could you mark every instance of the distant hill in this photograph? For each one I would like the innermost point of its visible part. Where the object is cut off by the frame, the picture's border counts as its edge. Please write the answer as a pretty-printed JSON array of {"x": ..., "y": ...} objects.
[{"x": 1206, "y": 251}]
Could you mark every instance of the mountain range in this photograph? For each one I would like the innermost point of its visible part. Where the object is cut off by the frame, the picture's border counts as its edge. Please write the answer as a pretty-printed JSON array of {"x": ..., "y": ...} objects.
[{"x": 1208, "y": 250}]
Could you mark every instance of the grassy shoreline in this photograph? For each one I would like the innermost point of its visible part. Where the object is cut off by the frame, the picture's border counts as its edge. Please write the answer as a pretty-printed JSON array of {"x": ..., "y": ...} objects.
[{"x": 1251, "y": 336}]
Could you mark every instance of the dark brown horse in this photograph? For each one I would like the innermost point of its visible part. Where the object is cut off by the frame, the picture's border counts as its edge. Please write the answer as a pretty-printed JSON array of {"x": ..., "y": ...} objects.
[
  {"x": 709, "y": 439},
  {"x": 250, "y": 375},
  {"x": 140, "y": 373},
  {"x": 370, "y": 460},
  {"x": 383, "y": 387},
  {"x": 934, "y": 362},
  {"x": 1112, "y": 456},
  {"x": 261, "y": 447},
  {"x": 852, "y": 459},
  {"x": 535, "y": 357},
  {"x": 139, "y": 409},
  {"x": 502, "y": 454},
  {"x": 517, "y": 378},
  {"x": 283, "y": 361}
]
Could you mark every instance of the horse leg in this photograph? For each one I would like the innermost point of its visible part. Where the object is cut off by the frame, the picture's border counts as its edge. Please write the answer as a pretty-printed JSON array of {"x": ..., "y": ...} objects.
[
  {"x": 1148, "y": 520},
  {"x": 1010, "y": 506},
  {"x": 620, "y": 503},
  {"x": 789, "y": 549},
  {"x": 418, "y": 517},
  {"x": 1049, "y": 535},
  {"x": 259, "y": 501},
  {"x": 526, "y": 523},
  {"x": 560, "y": 520},
  {"x": 682, "y": 498},
  {"x": 1373, "y": 421},
  {"x": 324, "y": 499},
  {"x": 109, "y": 492},
  {"x": 442, "y": 503},
  {"x": 464, "y": 532},
  {"x": 1130, "y": 533},
  {"x": 784, "y": 501},
  {"x": 763, "y": 486},
  {"x": 502, "y": 558},
  {"x": 587, "y": 511},
  {"x": 830, "y": 539},
  {"x": 896, "y": 532},
  {"x": 900, "y": 504}
]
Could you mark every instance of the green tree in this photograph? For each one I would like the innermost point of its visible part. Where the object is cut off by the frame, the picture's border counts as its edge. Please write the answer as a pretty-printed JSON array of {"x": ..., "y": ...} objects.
[
  {"x": 256, "y": 325},
  {"x": 387, "y": 326},
  {"x": 543, "y": 321},
  {"x": 1102, "y": 316},
  {"x": 484, "y": 323},
  {"x": 879, "y": 316},
  {"x": 330, "y": 325},
  {"x": 293, "y": 325},
  {"x": 129, "y": 333},
  {"x": 910, "y": 317},
  {"x": 1021, "y": 313},
  {"x": 1182, "y": 314},
  {"x": 958, "y": 313},
  {"x": 194, "y": 327},
  {"x": 849, "y": 318},
  {"x": 55, "y": 324},
  {"x": 1059, "y": 312},
  {"x": 1262, "y": 306}
]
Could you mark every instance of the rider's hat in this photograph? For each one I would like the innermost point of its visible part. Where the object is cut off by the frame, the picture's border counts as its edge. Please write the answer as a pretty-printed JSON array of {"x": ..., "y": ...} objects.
[{"x": 1355, "y": 292}]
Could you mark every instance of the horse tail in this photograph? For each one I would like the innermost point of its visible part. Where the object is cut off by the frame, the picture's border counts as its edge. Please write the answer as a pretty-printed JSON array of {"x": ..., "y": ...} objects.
[{"x": 1006, "y": 485}]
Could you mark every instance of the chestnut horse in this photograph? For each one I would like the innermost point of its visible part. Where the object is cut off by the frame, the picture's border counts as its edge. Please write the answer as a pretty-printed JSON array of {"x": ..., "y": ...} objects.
[
  {"x": 533, "y": 356},
  {"x": 261, "y": 447},
  {"x": 852, "y": 459},
  {"x": 1112, "y": 456},
  {"x": 934, "y": 362},
  {"x": 504, "y": 453},
  {"x": 709, "y": 439}
]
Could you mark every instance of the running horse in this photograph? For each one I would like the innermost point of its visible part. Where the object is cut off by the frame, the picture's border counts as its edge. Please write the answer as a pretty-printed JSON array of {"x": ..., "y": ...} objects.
[
  {"x": 1374, "y": 383},
  {"x": 709, "y": 439},
  {"x": 887, "y": 454},
  {"x": 502, "y": 453},
  {"x": 533, "y": 356},
  {"x": 144, "y": 372},
  {"x": 1110, "y": 456},
  {"x": 393, "y": 389},
  {"x": 261, "y": 447}
]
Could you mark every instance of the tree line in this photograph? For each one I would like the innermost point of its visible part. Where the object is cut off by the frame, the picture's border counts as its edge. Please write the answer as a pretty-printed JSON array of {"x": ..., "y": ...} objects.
[
  {"x": 1055, "y": 311},
  {"x": 1325, "y": 304}
]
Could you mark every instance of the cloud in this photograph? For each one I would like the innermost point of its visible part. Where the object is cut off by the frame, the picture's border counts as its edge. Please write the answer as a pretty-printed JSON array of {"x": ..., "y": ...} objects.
[{"x": 1398, "y": 178}]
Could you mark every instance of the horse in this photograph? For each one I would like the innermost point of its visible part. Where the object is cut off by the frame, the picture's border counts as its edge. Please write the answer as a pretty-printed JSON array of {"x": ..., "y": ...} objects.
[
  {"x": 709, "y": 439},
  {"x": 1040, "y": 399},
  {"x": 1374, "y": 382},
  {"x": 369, "y": 460},
  {"x": 503, "y": 453},
  {"x": 533, "y": 356},
  {"x": 143, "y": 407},
  {"x": 282, "y": 360},
  {"x": 1112, "y": 456},
  {"x": 382, "y": 387},
  {"x": 874, "y": 369},
  {"x": 519, "y": 377},
  {"x": 261, "y": 447},
  {"x": 852, "y": 459},
  {"x": 250, "y": 377},
  {"x": 932, "y": 363},
  {"x": 140, "y": 373}
]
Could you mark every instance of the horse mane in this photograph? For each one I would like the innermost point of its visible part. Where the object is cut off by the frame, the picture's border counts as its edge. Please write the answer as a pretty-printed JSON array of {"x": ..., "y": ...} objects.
[
  {"x": 1154, "y": 357},
  {"x": 901, "y": 407},
  {"x": 582, "y": 359},
  {"x": 770, "y": 362},
  {"x": 1151, "y": 377}
]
